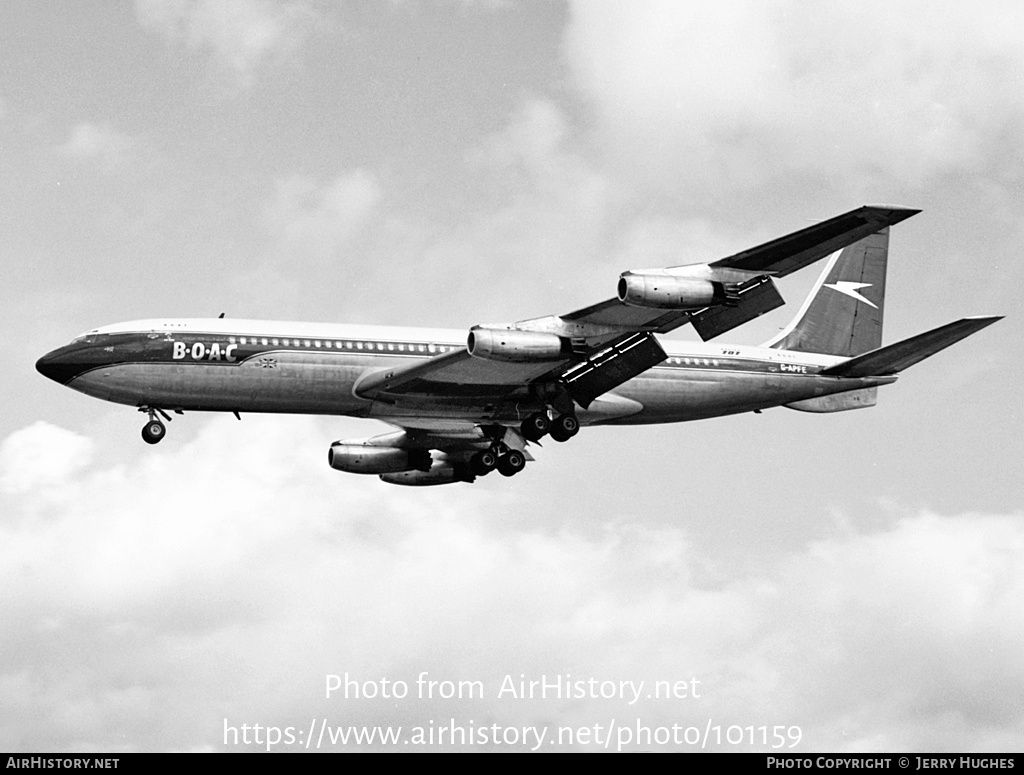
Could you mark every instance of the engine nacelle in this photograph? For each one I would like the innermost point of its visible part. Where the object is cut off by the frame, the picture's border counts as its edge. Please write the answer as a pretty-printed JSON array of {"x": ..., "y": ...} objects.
[
  {"x": 442, "y": 472},
  {"x": 664, "y": 291},
  {"x": 363, "y": 458},
  {"x": 513, "y": 346}
]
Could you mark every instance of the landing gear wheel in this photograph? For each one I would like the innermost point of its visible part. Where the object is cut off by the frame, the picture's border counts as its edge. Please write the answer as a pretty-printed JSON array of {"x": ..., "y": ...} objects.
[
  {"x": 564, "y": 427},
  {"x": 153, "y": 431},
  {"x": 511, "y": 463},
  {"x": 483, "y": 462},
  {"x": 535, "y": 426}
]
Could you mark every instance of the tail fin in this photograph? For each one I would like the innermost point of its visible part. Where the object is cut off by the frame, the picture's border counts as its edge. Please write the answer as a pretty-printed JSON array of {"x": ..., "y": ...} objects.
[
  {"x": 843, "y": 313},
  {"x": 903, "y": 355}
]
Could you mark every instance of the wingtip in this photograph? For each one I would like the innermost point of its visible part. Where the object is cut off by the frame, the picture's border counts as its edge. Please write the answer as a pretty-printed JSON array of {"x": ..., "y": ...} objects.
[{"x": 891, "y": 213}]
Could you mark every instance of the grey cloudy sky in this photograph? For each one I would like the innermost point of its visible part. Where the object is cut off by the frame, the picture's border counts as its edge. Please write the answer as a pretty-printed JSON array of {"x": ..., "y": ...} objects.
[{"x": 858, "y": 575}]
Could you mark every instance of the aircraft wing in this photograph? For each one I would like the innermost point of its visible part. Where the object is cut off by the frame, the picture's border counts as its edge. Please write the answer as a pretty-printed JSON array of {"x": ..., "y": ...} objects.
[
  {"x": 610, "y": 342},
  {"x": 795, "y": 251},
  {"x": 457, "y": 378},
  {"x": 777, "y": 258}
]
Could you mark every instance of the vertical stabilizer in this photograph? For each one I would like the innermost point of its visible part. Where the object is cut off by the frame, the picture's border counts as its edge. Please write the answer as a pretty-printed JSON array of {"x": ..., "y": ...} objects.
[{"x": 843, "y": 313}]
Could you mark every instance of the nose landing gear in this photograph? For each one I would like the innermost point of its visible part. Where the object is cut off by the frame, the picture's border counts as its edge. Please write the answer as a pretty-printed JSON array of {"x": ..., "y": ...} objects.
[{"x": 154, "y": 430}]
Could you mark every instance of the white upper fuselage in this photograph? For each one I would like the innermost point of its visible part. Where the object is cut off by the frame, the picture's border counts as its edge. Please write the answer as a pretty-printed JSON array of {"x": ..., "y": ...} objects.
[{"x": 324, "y": 336}]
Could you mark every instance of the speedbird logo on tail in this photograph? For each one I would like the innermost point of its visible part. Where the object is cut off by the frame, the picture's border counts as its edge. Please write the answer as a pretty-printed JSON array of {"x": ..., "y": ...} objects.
[{"x": 851, "y": 290}]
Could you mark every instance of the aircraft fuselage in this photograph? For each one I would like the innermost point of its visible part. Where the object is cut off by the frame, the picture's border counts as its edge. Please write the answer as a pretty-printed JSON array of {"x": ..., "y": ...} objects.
[{"x": 310, "y": 368}]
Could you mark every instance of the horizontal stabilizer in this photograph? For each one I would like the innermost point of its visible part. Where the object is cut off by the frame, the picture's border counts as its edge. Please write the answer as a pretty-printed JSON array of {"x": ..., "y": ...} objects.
[{"x": 902, "y": 355}]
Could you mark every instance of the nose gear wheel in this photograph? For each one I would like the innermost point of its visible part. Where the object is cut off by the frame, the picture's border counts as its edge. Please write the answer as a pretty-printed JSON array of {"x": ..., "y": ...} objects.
[{"x": 154, "y": 430}]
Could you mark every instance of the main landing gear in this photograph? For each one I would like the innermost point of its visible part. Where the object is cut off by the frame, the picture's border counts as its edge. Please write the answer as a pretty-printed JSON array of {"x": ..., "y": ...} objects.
[
  {"x": 154, "y": 430},
  {"x": 562, "y": 428},
  {"x": 509, "y": 462}
]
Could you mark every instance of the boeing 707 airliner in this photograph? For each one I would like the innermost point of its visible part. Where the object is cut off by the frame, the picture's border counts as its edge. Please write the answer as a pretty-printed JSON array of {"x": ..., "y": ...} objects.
[{"x": 464, "y": 405}]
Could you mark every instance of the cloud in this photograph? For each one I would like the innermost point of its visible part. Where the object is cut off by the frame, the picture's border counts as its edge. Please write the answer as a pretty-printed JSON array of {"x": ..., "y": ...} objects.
[
  {"x": 911, "y": 628},
  {"x": 41, "y": 455},
  {"x": 243, "y": 35},
  {"x": 537, "y": 205},
  {"x": 733, "y": 94},
  {"x": 100, "y": 143},
  {"x": 312, "y": 220},
  {"x": 526, "y": 202},
  {"x": 225, "y": 577}
]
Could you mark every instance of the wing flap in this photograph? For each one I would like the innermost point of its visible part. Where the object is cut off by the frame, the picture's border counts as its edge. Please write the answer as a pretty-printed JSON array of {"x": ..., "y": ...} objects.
[
  {"x": 757, "y": 297},
  {"x": 610, "y": 367}
]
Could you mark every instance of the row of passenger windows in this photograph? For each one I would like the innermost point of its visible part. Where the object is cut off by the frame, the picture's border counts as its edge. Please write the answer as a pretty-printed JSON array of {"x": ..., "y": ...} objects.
[
  {"x": 401, "y": 347},
  {"x": 694, "y": 361}
]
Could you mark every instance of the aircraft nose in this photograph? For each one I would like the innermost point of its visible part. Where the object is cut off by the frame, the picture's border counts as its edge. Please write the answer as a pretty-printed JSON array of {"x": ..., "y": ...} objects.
[
  {"x": 56, "y": 365},
  {"x": 47, "y": 366}
]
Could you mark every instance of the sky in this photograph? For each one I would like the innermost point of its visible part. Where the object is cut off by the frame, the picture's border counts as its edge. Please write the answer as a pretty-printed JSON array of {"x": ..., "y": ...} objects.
[{"x": 850, "y": 582}]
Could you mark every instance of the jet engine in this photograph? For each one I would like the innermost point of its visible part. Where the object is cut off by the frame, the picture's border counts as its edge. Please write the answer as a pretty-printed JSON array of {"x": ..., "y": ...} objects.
[
  {"x": 514, "y": 346},
  {"x": 363, "y": 458},
  {"x": 666, "y": 291}
]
